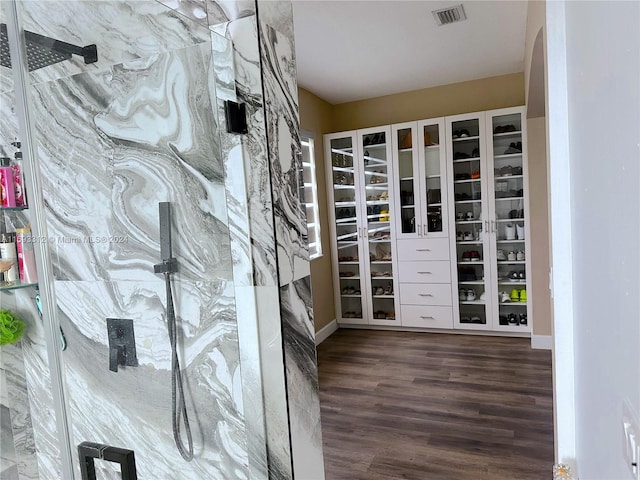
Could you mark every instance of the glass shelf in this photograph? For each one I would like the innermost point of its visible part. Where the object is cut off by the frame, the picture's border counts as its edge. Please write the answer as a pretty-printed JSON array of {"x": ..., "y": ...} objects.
[
  {"x": 465, "y": 139},
  {"x": 13, "y": 209},
  {"x": 17, "y": 286},
  {"x": 508, "y": 155},
  {"x": 508, "y": 134},
  {"x": 472, "y": 159}
]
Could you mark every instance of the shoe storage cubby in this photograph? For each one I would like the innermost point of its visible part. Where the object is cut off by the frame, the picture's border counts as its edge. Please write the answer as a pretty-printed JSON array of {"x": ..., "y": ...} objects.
[
  {"x": 362, "y": 220},
  {"x": 488, "y": 186},
  {"x": 509, "y": 217},
  {"x": 430, "y": 223},
  {"x": 468, "y": 194}
]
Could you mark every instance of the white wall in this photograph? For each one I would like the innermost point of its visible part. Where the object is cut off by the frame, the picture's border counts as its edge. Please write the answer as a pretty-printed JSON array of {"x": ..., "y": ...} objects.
[{"x": 603, "y": 65}]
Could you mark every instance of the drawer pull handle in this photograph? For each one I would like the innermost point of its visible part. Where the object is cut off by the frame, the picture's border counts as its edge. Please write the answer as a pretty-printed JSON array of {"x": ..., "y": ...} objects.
[
  {"x": 426, "y": 318},
  {"x": 424, "y": 273},
  {"x": 425, "y": 295},
  {"x": 423, "y": 249}
]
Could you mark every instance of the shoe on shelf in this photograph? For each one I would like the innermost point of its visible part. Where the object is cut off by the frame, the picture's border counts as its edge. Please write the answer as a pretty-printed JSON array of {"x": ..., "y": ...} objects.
[
  {"x": 498, "y": 129},
  {"x": 513, "y": 214},
  {"x": 521, "y": 275},
  {"x": 503, "y": 297},
  {"x": 514, "y": 276},
  {"x": 523, "y": 295},
  {"x": 512, "y": 256},
  {"x": 476, "y": 319},
  {"x": 501, "y": 256},
  {"x": 510, "y": 231},
  {"x": 456, "y": 134},
  {"x": 471, "y": 295},
  {"x": 512, "y": 319},
  {"x": 462, "y": 295},
  {"x": 469, "y": 216},
  {"x": 460, "y": 155},
  {"x": 464, "y": 133},
  {"x": 466, "y": 256},
  {"x": 515, "y": 295},
  {"x": 475, "y": 175},
  {"x": 475, "y": 153},
  {"x": 468, "y": 236},
  {"x": 388, "y": 289},
  {"x": 459, "y": 236},
  {"x": 523, "y": 319},
  {"x": 520, "y": 256},
  {"x": 520, "y": 232},
  {"x": 512, "y": 149},
  {"x": 482, "y": 297},
  {"x": 465, "y": 320},
  {"x": 378, "y": 291},
  {"x": 474, "y": 256}
]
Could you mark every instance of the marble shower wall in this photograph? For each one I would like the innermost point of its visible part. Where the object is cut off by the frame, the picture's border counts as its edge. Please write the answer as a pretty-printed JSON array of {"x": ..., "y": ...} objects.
[
  {"x": 275, "y": 21},
  {"x": 114, "y": 139}
]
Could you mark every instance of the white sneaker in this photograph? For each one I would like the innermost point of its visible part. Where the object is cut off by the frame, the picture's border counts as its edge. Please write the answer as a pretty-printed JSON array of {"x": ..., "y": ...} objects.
[
  {"x": 468, "y": 236},
  {"x": 511, "y": 256},
  {"x": 520, "y": 232},
  {"x": 520, "y": 256},
  {"x": 462, "y": 294},
  {"x": 503, "y": 297},
  {"x": 471, "y": 295},
  {"x": 501, "y": 255}
]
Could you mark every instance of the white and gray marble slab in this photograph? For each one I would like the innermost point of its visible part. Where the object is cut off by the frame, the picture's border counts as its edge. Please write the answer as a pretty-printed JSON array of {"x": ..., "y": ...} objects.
[
  {"x": 132, "y": 408},
  {"x": 121, "y": 30}
]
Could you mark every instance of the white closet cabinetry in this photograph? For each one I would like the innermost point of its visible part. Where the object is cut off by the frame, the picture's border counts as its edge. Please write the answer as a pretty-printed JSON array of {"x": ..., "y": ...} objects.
[
  {"x": 360, "y": 180},
  {"x": 486, "y": 165},
  {"x": 419, "y": 167}
]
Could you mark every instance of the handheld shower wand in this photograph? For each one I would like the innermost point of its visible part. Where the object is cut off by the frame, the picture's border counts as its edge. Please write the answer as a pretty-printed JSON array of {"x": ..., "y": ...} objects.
[{"x": 168, "y": 267}]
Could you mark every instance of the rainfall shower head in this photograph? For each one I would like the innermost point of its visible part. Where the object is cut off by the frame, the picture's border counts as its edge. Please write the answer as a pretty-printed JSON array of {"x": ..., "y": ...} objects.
[{"x": 44, "y": 51}]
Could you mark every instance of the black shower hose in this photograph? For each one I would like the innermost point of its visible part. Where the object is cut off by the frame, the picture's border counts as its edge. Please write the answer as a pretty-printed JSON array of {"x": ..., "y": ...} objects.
[{"x": 178, "y": 406}]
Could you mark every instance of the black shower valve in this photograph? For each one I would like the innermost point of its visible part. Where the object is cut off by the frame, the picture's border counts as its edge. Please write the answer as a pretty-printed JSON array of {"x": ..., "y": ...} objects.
[{"x": 122, "y": 343}]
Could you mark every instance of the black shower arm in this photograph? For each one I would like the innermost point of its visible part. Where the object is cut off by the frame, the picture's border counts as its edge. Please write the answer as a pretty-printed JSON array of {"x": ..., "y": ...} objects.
[{"x": 89, "y": 53}]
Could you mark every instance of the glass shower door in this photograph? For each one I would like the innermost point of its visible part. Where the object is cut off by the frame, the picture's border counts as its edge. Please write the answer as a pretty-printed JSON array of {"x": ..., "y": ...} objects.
[{"x": 138, "y": 126}]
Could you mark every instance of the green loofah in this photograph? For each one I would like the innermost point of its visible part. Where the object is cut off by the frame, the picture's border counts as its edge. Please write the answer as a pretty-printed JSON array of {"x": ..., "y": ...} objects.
[{"x": 11, "y": 327}]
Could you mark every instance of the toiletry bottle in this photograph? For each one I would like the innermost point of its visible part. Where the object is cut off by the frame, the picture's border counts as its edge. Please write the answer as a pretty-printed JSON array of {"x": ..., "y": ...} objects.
[
  {"x": 18, "y": 180},
  {"x": 26, "y": 255},
  {"x": 8, "y": 252},
  {"x": 6, "y": 181}
]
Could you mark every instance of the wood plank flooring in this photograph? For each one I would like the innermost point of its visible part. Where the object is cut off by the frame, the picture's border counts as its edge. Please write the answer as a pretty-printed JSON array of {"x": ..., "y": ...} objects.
[{"x": 398, "y": 405}]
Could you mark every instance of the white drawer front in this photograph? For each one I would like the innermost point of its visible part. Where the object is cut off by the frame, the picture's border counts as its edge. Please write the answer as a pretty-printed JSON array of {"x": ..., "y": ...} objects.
[
  {"x": 425, "y": 272},
  {"x": 426, "y": 316},
  {"x": 425, "y": 294},
  {"x": 420, "y": 249}
]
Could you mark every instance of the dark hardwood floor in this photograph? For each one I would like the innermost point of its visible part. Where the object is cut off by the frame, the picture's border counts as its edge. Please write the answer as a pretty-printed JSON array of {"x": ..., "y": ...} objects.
[{"x": 398, "y": 405}]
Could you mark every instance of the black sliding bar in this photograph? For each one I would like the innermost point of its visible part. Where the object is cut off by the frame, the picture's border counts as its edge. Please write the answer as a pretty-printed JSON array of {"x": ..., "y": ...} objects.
[{"x": 88, "y": 452}]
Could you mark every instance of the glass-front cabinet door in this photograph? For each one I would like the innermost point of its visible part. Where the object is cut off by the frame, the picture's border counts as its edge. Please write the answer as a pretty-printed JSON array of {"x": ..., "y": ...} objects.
[
  {"x": 509, "y": 216},
  {"x": 347, "y": 234},
  {"x": 377, "y": 208},
  {"x": 420, "y": 179},
  {"x": 407, "y": 180},
  {"x": 470, "y": 215},
  {"x": 433, "y": 187}
]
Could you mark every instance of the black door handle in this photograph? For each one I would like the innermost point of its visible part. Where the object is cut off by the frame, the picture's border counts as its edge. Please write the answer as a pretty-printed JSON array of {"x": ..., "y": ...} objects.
[{"x": 88, "y": 451}]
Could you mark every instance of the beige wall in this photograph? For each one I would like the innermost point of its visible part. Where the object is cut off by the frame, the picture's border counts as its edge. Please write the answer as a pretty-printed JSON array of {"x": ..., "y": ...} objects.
[
  {"x": 539, "y": 225},
  {"x": 315, "y": 116},
  {"x": 471, "y": 96},
  {"x": 536, "y": 11}
]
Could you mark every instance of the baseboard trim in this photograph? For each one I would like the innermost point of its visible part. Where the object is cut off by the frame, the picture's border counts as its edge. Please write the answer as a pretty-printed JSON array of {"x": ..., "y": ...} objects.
[
  {"x": 541, "y": 342},
  {"x": 326, "y": 331}
]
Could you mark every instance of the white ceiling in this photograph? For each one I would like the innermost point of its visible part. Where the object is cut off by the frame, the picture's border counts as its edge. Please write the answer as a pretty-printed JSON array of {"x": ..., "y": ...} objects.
[{"x": 351, "y": 50}]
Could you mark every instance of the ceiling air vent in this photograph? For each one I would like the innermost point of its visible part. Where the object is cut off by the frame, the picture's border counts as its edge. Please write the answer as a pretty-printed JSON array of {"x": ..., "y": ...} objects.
[{"x": 449, "y": 15}]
